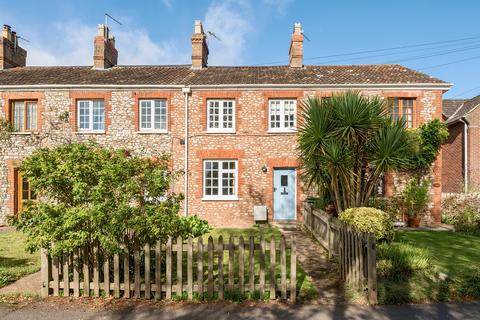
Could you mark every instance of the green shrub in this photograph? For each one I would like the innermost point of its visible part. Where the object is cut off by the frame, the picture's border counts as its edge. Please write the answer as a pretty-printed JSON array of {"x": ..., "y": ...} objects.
[
  {"x": 415, "y": 196},
  {"x": 193, "y": 226},
  {"x": 369, "y": 220},
  {"x": 97, "y": 196},
  {"x": 468, "y": 221},
  {"x": 401, "y": 260}
]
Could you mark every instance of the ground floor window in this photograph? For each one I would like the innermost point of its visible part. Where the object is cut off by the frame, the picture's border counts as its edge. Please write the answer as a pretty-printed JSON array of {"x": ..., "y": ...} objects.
[
  {"x": 23, "y": 192},
  {"x": 220, "y": 179}
]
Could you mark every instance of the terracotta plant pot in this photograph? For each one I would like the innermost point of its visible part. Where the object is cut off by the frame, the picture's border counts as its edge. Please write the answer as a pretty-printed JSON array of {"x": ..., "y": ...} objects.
[{"x": 413, "y": 221}]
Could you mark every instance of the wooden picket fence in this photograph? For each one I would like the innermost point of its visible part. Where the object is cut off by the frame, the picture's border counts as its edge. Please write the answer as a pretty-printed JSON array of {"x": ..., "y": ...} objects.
[
  {"x": 159, "y": 271},
  {"x": 355, "y": 251}
]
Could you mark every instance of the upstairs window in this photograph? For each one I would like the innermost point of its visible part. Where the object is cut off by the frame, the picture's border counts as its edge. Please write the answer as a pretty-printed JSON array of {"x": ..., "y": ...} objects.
[
  {"x": 153, "y": 115},
  {"x": 221, "y": 116},
  {"x": 282, "y": 115},
  {"x": 91, "y": 115},
  {"x": 24, "y": 115},
  {"x": 220, "y": 179},
  {"x": 402, "y": 108}
]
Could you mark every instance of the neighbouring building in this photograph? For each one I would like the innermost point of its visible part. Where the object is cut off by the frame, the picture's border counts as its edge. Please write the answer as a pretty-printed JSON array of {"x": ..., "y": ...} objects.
[
  {"x": 231, "y": 129},
  {"x": 461, "y": 151}
]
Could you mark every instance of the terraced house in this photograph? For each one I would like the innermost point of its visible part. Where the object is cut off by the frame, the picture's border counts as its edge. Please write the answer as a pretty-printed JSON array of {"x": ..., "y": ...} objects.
[{"x": 231, "y": 129}]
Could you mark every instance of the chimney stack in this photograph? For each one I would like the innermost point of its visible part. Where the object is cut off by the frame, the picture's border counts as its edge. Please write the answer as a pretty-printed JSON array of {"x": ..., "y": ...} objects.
[
  {"x": 11, "y": 54},
  {"x": 296, "y": 47},
  {"x": 105, "y": 54},
  {"x": 199, "y": 47}
]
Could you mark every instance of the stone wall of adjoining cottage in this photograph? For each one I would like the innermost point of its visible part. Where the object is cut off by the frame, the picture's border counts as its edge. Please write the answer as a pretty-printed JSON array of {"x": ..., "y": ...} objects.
[{"x": 121, "y": 110}]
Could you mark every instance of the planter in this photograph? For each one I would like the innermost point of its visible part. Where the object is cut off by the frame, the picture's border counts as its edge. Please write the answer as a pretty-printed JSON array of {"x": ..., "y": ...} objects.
[{"x": 413, "y": 221}]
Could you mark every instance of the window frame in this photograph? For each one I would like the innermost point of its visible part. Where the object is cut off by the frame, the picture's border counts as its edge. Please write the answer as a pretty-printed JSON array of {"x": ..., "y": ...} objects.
[
  {"x": 408, "y": 124},
  {"x": 282, "y": 127},
  {"x": 219, "y": 196},
  {"x": 152, "y": 116},
  {"x": 25, "y": 114},
  {"x": 90, "y": 115},
  {"x": 221, "y": 114}
]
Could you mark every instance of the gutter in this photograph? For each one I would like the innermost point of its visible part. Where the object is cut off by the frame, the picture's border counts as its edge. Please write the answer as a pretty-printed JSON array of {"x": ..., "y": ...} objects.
[
  {"x": 411, "y": 86},
  {"x": 186, "y": 91}
]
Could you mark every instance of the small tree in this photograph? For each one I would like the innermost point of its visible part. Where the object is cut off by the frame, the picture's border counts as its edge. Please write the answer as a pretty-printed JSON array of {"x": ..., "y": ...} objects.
[
  {"x": 95, "y": 196},
  {"x": 347, "y": 143}
]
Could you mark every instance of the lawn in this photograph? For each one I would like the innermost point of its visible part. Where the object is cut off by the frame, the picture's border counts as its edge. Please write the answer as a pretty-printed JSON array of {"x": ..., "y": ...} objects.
[
  {"x": 305, "y": 288},
  {"x": 425, "y": 266},
  {"x": 14, "y": 261}
]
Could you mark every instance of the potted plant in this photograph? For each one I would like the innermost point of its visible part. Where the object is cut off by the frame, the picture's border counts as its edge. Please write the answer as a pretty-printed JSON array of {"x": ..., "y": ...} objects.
[{"x": 415, "y": 200}]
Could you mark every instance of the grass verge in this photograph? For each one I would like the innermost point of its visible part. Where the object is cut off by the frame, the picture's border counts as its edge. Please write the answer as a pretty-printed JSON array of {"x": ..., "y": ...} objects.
[
  {"x": 428, "y": 266},
  {"x": 15, "y": 262}
]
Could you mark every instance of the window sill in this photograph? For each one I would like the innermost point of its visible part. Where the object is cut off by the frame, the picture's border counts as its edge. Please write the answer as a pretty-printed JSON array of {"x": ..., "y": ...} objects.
[
  {"x": 294, "y": 131},
  {"x": 220, "y": 199},
  {"x": 220, "y": 132},
  {"x": 151, "y": 132},
  {"x": 90, "y": 132},
  {"x": 24, "y": 133}
]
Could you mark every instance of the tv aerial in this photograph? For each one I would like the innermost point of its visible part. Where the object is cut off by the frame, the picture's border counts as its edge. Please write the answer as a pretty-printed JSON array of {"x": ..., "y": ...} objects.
[{"x": 109, "y": 16}]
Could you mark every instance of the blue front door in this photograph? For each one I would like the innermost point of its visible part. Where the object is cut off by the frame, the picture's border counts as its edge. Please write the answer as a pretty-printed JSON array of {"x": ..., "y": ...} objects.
[{"x": 284, "y": 182}]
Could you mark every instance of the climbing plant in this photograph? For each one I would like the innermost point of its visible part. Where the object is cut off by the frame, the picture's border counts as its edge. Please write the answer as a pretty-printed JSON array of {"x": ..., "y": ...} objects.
[{"x": 431, "y": 136}]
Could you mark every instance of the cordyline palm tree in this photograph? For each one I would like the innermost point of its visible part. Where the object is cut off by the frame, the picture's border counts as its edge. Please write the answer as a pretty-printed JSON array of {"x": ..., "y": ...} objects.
[{"x": 347, "y": 142}]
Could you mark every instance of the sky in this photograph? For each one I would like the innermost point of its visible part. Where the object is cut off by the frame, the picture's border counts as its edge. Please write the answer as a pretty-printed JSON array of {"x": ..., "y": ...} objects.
[{"x": 438, "y": 37}]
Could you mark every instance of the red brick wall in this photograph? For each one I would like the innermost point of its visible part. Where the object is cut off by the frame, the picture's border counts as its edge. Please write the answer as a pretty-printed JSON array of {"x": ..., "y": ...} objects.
[
  {"x": 474, "y": 150},
  {"x": 452, "y": 150},
  {"x": 252, "y": 145}
]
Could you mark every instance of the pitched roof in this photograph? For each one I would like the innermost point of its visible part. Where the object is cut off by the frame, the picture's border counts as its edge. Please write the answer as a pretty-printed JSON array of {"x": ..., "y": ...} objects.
[
  {"x": 451, "y": 105},
  {"x": 467, "y": 107},
  {"x": 185, "y": 75}
]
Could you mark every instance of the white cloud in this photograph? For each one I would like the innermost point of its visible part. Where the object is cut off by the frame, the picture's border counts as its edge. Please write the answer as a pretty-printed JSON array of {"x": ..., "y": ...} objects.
[
  {"x": 228, "y": 20},
  {"x": 72, "y": 44},
  {"x": 167, "y": 3},
  {"x": 279, "y": 5}
]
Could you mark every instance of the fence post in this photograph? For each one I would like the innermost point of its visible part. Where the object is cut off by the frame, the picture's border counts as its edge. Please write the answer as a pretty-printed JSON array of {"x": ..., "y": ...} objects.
[
  {"x": 179, "y": 266},
  {"x": 168, "y": 276},
  {"x": 190, "y": 268},
  {"x": 262, "y": 267},
  {"x": 200, "y": 266},
  {"x": 158, "y": 271},
  {"x": 241, "y": 264},
  {"x": 293, "y": 271},
  {"x": 96, "y": 272},
  {"x": 116, "y": 275},
  {"x": 55, "y": 276},
  {"x": 372, "y": 269},
  {"x": 220, "y": 268},
  {"x": 126, "y": 272},
  {"x": 210, "y": 267},
  {"x": 231, "y": 262},
  {"x": 148, "y": 286},
  {"x": 272, "y": 268},
  {"x": 251, "y": 274},
  {"x": 86, "y": 273},
  {"x": 66, "y": 275},
  {"x": 283, "y": 267},
  {"x": 329, "y": 231},
  {"x": 44, "y": 272},
  {"x": 76, "y": 273}
]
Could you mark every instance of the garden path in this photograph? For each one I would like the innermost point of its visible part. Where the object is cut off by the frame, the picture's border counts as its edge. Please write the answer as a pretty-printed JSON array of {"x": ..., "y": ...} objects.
[{"x": 313, "y": 258}]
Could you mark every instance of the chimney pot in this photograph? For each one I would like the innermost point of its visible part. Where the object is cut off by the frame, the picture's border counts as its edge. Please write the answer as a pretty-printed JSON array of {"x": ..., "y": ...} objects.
[
  {"x": 199, "y": 47},
  {"x": 11, "y": 54},
  {"x": 105, "y": 54},
  {"x": 296, "y": 47}
]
